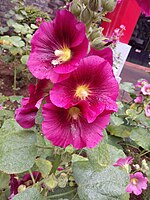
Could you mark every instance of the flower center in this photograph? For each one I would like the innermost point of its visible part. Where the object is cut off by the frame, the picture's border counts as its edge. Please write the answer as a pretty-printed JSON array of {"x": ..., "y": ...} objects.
[
  {"x": 63, "y": 55},
  {"x": 148, "y": 90},
  {"x": 74, "y": 113},
  {"x": 134, "y": 181},
  {"x": 82, "y": 92}
]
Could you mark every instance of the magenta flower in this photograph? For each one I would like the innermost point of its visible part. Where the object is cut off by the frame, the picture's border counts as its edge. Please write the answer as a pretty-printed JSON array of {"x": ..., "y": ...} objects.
[
  {"x": 141, "y": 83},
  {"x": 69, "y": 126},
  {"x": 57, "y": 47},
  {"x": 124, "y": 162},
  {"x": 106, "y": 53},
  {"x": 147, "y": 110},
  {"x": 17, "y": 185},
  {"x": 137, "y": 183},
  {"x": 138, "y": 99},
  {"x": 26, "y": 114},
  {"x": 93, "y": 82},
  {"x": 146, "y": 89},
  {"x": 39, "y": 20},
  {"x": 145, "y": 6}
]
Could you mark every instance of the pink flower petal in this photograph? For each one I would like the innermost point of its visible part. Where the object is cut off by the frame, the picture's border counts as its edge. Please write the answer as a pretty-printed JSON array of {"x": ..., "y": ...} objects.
[{"x": 62, "y": 130}]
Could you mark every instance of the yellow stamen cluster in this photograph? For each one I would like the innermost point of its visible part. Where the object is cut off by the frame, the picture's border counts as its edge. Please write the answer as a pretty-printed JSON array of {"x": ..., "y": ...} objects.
[
  {"x": 63, "y": 55},
  {"x": 134, "y": 181},
  {"x": 82, "y": 92},
  {"x": 74, "y": 113}
]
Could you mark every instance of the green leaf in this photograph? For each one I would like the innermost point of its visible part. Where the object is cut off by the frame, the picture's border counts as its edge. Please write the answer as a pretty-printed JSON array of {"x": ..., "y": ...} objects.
[
  {"x": 4, "y": 180},
  {"x": 115, "y": 120},
  {"x": 141, "y": 136},
  {"x": 33, "y": 26},
  {"x": 15, "y": 98},
  {"x": 17, "y": 148},
  {"x": 108, "y": 184},
  {"x": 24, "y": 59},
  {"x": 30, "y": 194},
  {"x": 119, "y": 131},
  {"x": 127, "y": 86},
  {"x": 44, "y": 166},
  {"x": 76, "y": 157},
  {"x": 99, "y": 156},
  {"x": 51, "y": 182},
  {"x": 10, "y": 22}
]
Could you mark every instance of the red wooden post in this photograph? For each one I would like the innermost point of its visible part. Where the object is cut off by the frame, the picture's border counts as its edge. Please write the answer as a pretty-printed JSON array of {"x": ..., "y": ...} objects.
[{"x": 126, "y": 13}]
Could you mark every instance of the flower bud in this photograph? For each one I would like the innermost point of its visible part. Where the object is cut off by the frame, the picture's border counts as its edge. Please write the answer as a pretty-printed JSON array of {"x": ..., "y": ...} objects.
[
  {"x": 95, "y": 34},
  {"x": 109, "y": 5},
  {"x": 94, "y": 5},
  {"x": 97, "y": 43},
  {"x": 75, "y": 8},
  {"x": 86, "y": 16},
  {"x": 85, "y": 2},
  {"x": 144, "y": 166}
]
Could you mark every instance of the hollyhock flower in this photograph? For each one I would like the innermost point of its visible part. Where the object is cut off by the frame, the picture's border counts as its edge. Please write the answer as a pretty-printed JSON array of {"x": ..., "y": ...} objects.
[
  {"x": 57, "y": 47},
  {"x": 147, "y": 110},
  {"x": 146, "y": 89},
  {"x": 69, "y": 126},
  {"x": 145, "y": 6},
  {"x": 17, "y": 185},
  {"x": 138, "y": 99},
  {"x": 141, "y": 83},
  {"x": 137, "y": 183},
  {"x": 124, "y": 162},
  {"x": 93, "y": 82},
  {"x": 105, "y": 53},
  {"x": 25, "y": 115}
]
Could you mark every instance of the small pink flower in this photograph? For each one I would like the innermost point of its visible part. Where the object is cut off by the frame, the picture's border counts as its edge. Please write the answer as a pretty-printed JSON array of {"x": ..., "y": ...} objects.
[
  {"x": 39, "y": 20},
  {"x": 1, "y": 107},
  {"x": 147, "y": 110},
  {"x": 145, "y": 6},
  {"x": 93, "y": 82},
  {"x": 124, "y": 162},
  {"x": 57, "y": 47},
  {"x": 138, "y": 99},
  {"x": 141, "y": 83},
  {"x": 146, "y": 89},
  {"x": 137, "y": 183},
  {"x": 69, "y": 126}
]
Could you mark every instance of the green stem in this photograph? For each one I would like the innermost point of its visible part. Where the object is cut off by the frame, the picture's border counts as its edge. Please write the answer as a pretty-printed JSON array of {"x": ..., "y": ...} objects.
[
  {"x": 144, "y": 153},
  {"x": 62, "y": 195},
  {"x": 32, "y": 177},
  {"x": 43, "y": 147},
  {"x": 15, "y": 82},
  {"x": 56, "y": 164}
]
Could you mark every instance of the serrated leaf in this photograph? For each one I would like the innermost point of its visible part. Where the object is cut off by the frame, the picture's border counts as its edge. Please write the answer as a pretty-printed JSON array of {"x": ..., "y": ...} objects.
[
  {"x": 44, "y": 166},
  {"x": 17, "y": 148},
  {"x": 108, "y": 184},
  {"x": 141, "y": 136},
  {"x": 30, "y": 194}
]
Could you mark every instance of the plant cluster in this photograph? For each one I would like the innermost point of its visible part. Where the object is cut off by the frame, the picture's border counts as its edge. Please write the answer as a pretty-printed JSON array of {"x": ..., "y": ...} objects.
[{"x": 71, "y": 139}]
